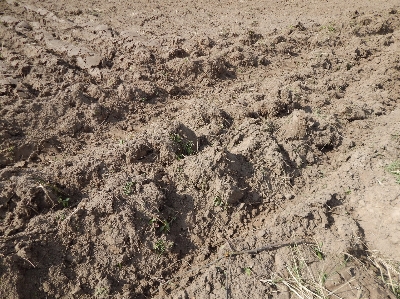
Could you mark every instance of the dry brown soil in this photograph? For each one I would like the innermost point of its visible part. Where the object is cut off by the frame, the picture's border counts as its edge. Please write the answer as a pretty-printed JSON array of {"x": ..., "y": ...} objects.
[{"x": 199, "y": 149}]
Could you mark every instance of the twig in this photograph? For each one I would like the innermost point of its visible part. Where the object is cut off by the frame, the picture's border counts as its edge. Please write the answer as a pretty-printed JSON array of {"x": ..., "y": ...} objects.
[
  {"x": 265, "y": 248},
  {"x": 235, "y": 253},
  {"x": 48, "y": 196},
  {"x": 69, "y": 217},
  {"x": 28, "y": 261},
  {"x": 228, "y": 272}
]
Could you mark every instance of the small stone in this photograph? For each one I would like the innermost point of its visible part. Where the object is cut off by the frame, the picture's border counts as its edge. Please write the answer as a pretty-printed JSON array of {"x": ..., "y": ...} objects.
[
  {"x": 23, "y": 25},
  {"x": 258, "y": 222},
  {"x": 9, "y": 20},
  {"x": 101, "y": 28},
  {"x": 261, "y": 233},
  {"x": 69, "y": 258},
  {"x": 289, "y": 196},
  {"x": 46, "y": 287}
]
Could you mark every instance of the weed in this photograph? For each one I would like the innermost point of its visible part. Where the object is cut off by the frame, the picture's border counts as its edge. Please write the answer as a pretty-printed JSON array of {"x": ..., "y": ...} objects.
[
  {"x": 318, "y": 251},
  {"x": 64, "y": 202},
  {"x": 128, "y": 188},
  {"x": 61, "y": 217},
  {"x": 176, "y": 138},
  {"x": 185, "y": 147},
  {"x": 160, "y": 246},
  {"x": 247, "y": 271},
  {"x": 394, "y": 168},
  {"x": 346, "y": 259},
  {"x": 324, "y": 277},
  {"x": 331, "y": 28},
  {"x": 9, "y": 152},
  {"x": 188, "y": 148},
  {"x": 11, "y": 149},
  {"x": 219, "y": 202},
  {"x": 164, "y": 225},
  {"x": 100, "y": 291}
]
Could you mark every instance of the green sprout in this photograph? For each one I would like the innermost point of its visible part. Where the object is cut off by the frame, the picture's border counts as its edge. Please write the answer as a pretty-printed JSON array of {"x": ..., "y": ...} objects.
[
  {"x": 247, "y": 271},
  {"x": 160, "y": 246},
  {"x": 185, "y": 148},
  {"x": 64, "y": 202},
  {"x": 218, "y": 201},
  {"x": 128, "y": 188},
  {"x": 318, "y": 252},
  {"x": 394, "y": 168}
]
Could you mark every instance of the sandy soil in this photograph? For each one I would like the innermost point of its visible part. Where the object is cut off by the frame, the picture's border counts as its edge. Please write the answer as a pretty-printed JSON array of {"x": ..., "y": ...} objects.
[{"x": 200, "y": 149}]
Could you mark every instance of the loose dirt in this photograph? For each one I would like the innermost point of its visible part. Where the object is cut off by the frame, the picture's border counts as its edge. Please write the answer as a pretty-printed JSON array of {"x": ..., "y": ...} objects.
[{"x": 155, "y": 149}]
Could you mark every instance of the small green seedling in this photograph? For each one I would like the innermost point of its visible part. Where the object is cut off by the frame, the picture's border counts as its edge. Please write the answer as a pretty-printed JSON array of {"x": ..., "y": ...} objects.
[
  {"x": 346, "y": 259},
  {"x": 318, "y": 252},
  {"x": 324, "y": 277},
  {"x": 185, "y": 148},
  {"x": 218, "y": 201},
  {"x": 247, "y": 271},
  {"x": 160, "y": 246},
  {"x": 61, "y": 217},
  {"x": 331, "y": 28},
  {"x": 64, "y": 202},
  {"x": 163, "y": 225},
  {"x": 188, "y": 148},
  {"x": 128, "y": 188},
  {"x": 100, "y": 291},
  {"x": 176, "y": 138},
  {"x": 166, "y": 226},
  {"x": 394, "y": 168}
]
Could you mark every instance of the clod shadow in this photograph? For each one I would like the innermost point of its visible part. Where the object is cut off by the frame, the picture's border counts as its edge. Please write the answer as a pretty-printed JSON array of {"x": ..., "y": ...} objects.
[
  {"x": 31, "y": 262},
  {"x": 178, "y": 208}
]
